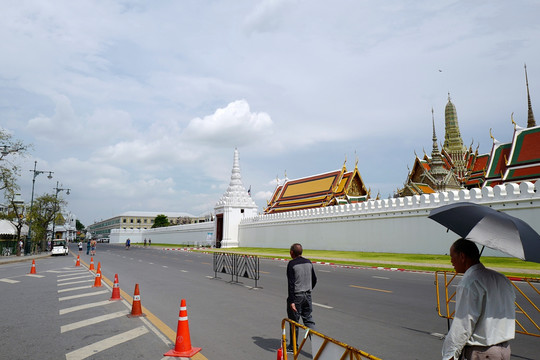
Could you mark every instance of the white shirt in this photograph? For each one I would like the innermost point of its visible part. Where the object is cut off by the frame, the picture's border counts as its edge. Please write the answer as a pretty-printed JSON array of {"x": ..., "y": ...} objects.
[{"x": 485, "y": 311}]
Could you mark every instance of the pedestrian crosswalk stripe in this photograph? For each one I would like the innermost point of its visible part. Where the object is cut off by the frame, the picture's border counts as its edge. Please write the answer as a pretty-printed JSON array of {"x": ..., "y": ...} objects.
[
  {"x": 75, "y": 282},
  {"x": 75, "y": 288},
  {"x": 82, "y": 295},
  {"x": 9, "y": 281},
  {"x": 70, "y": 274},
  {"x": 99, "y": 346},
  {"x": 75, "y": 278},
  {"x": 84, "y": 306},
  {"x": 95, "y": 320},
  {"x": 35, "y": 275}
]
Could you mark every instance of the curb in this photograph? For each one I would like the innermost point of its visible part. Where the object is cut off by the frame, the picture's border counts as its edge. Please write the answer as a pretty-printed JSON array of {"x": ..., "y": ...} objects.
[
  {"x": 513, "y": 278},
  {"x": 24, "y": 258}
]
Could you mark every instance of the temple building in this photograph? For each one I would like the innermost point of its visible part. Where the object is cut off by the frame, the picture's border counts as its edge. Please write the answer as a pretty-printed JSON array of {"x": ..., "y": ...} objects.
[
  {"x": 444, "y": 170},
  {"x": 515, "y": 161},
  {"x": 331, "y": 188}
]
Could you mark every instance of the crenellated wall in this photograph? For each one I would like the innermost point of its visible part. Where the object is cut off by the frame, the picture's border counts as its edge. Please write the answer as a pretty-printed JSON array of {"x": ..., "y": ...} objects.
[{"x": 390, "y": 225}]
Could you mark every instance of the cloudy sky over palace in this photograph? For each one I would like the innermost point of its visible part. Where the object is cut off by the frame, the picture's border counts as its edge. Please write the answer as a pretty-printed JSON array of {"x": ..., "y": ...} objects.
[{"x": 138, "y": 105}]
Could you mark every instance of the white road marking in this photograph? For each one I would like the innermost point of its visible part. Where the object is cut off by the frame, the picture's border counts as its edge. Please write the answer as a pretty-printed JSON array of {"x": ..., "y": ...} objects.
[
  {"x": 84, "y": 306},
  {"x": 35, "y": 275},
  {"x": 323, "y": 306},
  {"x": 165, "y": 266},
  {"x": 440, "y": 336},
  {"x": 75, "y": 278},
  {"x": 92, "y": 321},
  {"x": 99, "y": 346},
  {"x": 381, "y": 277},
  {"x": 82, "y": 295},
  {"x": 319, "y": 270},
  {"x": 9, "y": 281},
  {"x": 75, "y": 288},
  {"x": 76, "y": 282}
]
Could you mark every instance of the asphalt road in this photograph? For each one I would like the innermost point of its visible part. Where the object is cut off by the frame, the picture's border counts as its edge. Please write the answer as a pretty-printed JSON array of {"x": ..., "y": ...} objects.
[{"x": 389, "y": 314}]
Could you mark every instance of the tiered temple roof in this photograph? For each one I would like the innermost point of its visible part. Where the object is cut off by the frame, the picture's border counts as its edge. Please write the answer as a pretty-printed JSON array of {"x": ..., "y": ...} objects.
[
  {"x": 516, "y": 161},
  {"x": 331, "y": 188}
]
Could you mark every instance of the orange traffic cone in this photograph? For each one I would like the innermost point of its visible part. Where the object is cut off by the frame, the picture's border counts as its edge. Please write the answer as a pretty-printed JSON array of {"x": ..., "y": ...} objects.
[
  {"x": 183, "y": 348},
  {"x": 280, "y": 354},
  {"x": 136, "y": 309},
  {"x": 78, "y": 263},
  {"x": 99, "y": 266},
  {"x": 97, "y": 281},
  {"x": 33, "y": 268},
  {"x": 116, "y": 289},
  {"x": 91, "y": 264}
]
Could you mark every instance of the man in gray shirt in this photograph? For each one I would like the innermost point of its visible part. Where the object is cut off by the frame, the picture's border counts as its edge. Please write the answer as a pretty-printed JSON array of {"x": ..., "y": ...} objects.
[{"x": 301, "y": 279}]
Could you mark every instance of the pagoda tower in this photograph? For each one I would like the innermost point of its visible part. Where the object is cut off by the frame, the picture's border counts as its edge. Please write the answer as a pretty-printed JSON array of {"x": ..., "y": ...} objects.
[
  {"x": 530, "y": 116},
  {"x": 234, "y": 205},
  {"x": 453, "y": 143}
]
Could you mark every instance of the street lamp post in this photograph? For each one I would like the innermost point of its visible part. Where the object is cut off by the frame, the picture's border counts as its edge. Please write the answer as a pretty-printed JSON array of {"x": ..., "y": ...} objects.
[
  {"x": 55, "y": 203},
  {"x": 36, "y": 173},
  {"x": 18, "y": 204}
]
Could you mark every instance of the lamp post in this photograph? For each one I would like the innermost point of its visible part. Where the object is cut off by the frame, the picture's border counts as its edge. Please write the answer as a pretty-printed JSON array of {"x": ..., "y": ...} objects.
[
  {"x": 36, "y": 173},
  {"x": 55, "y": 202},
  {"x": 18, "y": 204}
]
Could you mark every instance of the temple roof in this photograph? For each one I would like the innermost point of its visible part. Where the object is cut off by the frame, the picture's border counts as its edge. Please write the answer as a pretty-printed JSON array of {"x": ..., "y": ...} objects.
[
  {"x": 524, "y": 156},
  {"x": 318, "y": 191}
]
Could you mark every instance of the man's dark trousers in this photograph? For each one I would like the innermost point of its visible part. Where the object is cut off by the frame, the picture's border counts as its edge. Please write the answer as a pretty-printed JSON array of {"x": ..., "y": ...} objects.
[{"x": 302, "y": 301}]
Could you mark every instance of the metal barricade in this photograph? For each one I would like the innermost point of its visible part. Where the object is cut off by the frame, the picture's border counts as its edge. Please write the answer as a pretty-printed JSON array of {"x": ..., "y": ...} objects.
[
  {"x": 527, "y": 312},
  {"x": 323, "y": 347},
  {"x": 246, "y": 266}
]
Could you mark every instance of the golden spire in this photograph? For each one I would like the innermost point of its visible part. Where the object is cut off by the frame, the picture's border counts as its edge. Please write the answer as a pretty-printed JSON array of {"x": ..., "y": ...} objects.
[{"x": 530, "y": 116}]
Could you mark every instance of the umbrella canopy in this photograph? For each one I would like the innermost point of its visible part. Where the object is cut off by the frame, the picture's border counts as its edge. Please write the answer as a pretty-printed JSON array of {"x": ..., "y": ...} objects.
[
  {"x": 7, "y": 228},
  {"x": 491, "y": 228}
]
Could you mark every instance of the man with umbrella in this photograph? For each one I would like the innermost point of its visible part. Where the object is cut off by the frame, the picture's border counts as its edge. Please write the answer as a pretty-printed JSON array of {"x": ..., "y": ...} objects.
[
  {"x": 484, "y": 319},
  {"x": 485, "y": 314}
]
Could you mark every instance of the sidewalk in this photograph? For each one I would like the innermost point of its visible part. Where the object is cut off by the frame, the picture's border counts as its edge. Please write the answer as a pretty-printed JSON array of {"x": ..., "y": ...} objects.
[{"x": 15, "y": 259}]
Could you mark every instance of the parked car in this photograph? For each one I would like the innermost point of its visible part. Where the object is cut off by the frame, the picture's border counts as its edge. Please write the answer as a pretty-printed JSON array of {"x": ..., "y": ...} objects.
[{"x": 60, "y": 247}]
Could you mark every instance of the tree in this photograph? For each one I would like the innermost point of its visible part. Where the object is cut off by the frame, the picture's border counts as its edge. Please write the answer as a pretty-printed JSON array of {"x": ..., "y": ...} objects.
[
  {"x": 15, "y": 212},
  {"x": 79, "y": 225},
  {"x": 160, "y": 221},
  {"x": 43, "y": 212},
  {"x": 9, "y": 150}
]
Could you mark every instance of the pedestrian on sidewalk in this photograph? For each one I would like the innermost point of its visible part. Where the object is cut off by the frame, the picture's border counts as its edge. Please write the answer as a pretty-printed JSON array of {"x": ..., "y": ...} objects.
[
  {"x": 301, "y": 280},
  {"x": 80, "y": 246},
  {"x": 88, "y": 247},
  {"x": 485, "y": 314}
]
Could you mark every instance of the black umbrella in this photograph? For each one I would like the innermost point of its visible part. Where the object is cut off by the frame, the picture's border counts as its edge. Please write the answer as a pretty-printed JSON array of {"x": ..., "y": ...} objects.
[{"x": 491, "y": 228}]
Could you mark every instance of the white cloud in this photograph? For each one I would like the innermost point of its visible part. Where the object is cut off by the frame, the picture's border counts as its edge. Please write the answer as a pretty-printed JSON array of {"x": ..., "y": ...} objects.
[{"x": 234, "y": 125}]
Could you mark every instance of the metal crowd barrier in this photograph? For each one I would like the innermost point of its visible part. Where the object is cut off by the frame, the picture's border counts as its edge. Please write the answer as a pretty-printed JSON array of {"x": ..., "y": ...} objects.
[
  {"x": 246, "y": 266},
  {"x": 527, "y": 312},
  {"x": 322, "y": 347}
]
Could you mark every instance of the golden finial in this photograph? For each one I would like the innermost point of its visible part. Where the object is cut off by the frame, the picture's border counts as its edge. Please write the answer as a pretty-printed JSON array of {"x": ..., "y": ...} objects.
[
  {"x": 491, "y": 135},
  {"x": 512, "y": 118}
]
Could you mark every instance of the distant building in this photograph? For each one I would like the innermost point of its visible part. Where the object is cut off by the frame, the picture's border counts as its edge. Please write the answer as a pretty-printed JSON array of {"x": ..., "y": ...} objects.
[{"x": 141, "y": 220}]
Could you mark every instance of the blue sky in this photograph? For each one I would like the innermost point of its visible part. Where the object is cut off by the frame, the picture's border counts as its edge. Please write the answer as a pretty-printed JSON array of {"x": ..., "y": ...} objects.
[{"x": 138, "y": 105}]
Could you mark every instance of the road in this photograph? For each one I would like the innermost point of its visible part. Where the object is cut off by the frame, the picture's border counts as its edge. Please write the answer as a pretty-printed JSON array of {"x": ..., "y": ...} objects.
[{"x": 388, "y": 314}]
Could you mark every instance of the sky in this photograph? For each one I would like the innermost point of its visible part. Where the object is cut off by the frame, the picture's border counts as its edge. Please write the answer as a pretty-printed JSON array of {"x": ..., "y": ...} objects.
[{"x": 139, "y": 105}]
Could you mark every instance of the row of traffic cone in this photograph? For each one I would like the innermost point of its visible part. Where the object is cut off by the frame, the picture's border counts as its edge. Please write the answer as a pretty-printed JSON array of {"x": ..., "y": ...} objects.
[{"x": 182, "y": 347}]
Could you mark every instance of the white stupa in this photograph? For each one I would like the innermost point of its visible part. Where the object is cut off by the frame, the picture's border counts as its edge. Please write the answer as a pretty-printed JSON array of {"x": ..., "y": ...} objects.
[{"x": 234, "y": 205}]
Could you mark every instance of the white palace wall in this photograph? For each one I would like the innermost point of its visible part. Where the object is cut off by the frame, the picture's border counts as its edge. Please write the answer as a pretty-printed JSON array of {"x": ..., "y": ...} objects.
[
  {"x": 188, "y": 234},
  {"x": 397, "y": 225}
]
